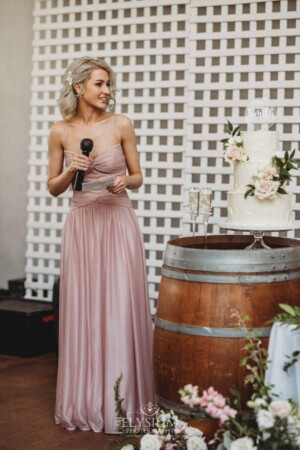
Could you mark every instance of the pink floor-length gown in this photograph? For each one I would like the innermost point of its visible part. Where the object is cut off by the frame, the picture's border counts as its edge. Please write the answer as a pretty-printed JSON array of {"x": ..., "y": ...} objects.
[{"x": 105, "y": 324}]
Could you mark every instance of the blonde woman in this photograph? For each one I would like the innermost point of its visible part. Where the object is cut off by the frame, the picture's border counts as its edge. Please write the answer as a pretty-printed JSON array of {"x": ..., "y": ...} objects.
[{"x": 105, "y": 324}]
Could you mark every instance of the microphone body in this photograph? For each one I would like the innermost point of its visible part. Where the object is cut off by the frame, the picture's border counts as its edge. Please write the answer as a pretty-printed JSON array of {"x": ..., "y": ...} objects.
[{"x": 86, "y": 146}]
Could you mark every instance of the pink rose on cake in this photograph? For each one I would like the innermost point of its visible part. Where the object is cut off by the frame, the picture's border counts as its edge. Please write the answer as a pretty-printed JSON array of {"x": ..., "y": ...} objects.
[
  {"x": 265, "y": 188},
  {"x": 234, "y": 154},
  {"x": 268, "y": 173}
]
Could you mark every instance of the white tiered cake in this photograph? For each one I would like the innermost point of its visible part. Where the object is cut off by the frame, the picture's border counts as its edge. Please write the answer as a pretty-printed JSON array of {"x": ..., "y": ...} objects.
[{"x": 255, "y": 172}]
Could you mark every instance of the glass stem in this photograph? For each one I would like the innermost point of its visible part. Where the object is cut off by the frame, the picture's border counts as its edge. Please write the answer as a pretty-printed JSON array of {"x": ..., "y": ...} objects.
[
  {"x": 194, "y": 231},
  {"x": 205, "y": 223}
]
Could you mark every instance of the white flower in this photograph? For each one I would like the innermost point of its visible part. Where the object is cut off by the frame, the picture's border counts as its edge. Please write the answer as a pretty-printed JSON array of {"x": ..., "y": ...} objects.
[
  {"x": 265, "y": 188},
  {"x": 165, "y": 417},
  {"x": 150, "y": 442},
  {"x": 242, "y": 444},
  {"x": 259, "y": 402},
  {"x": 243, "y": 157},
  {"x": 280, "y": 408},
  {"x": 127, "y": 447},
  {"x": 191, "y": 431},
  {"x": 69, "y": 78},
  {"x": 265, "y": 419},
  {"x": 196, "y": 443}
]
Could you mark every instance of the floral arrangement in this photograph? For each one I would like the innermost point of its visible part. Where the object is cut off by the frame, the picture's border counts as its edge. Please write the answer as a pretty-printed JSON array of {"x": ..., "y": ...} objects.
[
  {"x": 275, "y": 424},
  {"x": 234, "y": 151},
  {"x": 269, "y": 180}
]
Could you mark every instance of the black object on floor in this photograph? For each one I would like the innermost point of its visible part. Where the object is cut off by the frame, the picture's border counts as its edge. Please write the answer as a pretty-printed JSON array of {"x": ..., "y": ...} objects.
[
  {"x": 26, "y": 327},
  {"x": 16, "y": 287}
]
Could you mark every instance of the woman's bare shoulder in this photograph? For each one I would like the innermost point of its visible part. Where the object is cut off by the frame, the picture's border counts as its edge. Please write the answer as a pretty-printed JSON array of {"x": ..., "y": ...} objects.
[
  {"x": 122, "y": 121},
  {"x": 57, "y": 129}
]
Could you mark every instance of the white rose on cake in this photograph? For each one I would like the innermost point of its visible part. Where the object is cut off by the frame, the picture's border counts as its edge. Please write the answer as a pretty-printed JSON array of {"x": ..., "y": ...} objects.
[{"x": 265, "y": 188}]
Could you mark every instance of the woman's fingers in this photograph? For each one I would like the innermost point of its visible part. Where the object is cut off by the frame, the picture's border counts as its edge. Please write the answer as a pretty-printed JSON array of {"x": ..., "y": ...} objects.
[{"x": 80, "y": 162}]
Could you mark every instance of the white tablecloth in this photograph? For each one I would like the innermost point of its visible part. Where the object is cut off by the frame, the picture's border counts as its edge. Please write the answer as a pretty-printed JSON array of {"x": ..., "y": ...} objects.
[{"x": 284, "y": 340}]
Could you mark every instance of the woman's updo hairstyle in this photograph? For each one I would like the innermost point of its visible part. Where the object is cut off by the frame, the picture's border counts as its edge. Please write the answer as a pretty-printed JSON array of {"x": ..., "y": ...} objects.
[{"x": 79, "y": 72}]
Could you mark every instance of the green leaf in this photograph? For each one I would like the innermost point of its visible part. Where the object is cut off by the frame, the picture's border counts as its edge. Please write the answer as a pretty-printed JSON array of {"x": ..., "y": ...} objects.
[
  {"x": 287, "y": 308},
  {"x": 281, "y": 191},
  {"x": 236, "y": 131},
  {"x": 278, "y": 162},
  {"x": 250, "y": 191},
  {"x": 230, "y": 126},
  {"x": 243, "y": 361},
  {"x": 293, "y": 154},
  {"x": 225, "y": 141},
  {"x": 284, "y": 172}
]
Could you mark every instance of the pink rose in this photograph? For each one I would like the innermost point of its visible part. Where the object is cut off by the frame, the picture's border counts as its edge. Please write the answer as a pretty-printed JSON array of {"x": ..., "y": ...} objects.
[
  {"x": 232, "y": 154},
  {"x": 270, "y": 172},
  {"x": 265, "y": 188}
]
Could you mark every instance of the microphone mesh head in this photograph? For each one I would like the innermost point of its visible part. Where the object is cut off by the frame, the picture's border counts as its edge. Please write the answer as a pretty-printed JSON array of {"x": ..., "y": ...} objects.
[{"x": 86, "y": 146}]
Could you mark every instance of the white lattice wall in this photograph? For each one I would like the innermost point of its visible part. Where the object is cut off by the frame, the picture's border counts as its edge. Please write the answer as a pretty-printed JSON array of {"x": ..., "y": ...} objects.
[{"x": 183, "y": 67}]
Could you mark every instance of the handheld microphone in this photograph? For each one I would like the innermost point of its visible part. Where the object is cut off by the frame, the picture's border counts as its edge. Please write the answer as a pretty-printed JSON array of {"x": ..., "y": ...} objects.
[{"x": 86, "y": 146}]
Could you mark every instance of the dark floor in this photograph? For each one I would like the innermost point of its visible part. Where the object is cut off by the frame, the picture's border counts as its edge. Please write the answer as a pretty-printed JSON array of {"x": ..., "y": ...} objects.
[{"x": 27, "y": 393}]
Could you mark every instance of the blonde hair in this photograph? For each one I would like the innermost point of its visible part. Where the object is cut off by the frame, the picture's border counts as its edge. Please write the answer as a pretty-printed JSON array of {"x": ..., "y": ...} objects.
[{"x": 79, "y": 72}]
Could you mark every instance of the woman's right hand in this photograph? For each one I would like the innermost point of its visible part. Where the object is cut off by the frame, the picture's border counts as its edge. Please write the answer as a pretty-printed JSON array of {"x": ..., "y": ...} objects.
[{"x": 80, "y": 162}]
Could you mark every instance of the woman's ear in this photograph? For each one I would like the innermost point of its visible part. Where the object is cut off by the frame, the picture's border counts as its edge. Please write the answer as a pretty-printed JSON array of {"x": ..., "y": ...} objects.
[{"x": 78, "y": 88}]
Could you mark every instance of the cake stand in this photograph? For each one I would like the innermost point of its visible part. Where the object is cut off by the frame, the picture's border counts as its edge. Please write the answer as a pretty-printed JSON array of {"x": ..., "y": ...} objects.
[{"x": 257, "y": 231}]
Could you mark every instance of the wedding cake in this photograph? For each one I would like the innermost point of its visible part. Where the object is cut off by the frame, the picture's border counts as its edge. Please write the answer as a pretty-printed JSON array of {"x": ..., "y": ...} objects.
[{"x": 259, "y": 196}]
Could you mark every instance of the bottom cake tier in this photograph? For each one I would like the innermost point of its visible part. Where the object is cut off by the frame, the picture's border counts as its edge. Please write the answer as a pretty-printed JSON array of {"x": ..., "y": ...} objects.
[{"x": 275, "y": 211}]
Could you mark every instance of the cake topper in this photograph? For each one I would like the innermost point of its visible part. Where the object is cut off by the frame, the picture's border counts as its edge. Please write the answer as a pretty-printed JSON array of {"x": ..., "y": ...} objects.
[{"x": 260, "y": 114}]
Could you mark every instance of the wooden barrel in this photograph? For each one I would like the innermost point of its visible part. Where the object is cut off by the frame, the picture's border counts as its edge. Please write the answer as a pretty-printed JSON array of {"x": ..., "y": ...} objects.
[{"x": 196, "y": 339}]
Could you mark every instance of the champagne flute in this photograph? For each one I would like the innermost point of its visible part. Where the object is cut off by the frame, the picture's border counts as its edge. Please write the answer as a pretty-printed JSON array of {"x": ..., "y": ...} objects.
[
  {"x": 205, "y": 209},
  {"x": 194, "y": 196}
]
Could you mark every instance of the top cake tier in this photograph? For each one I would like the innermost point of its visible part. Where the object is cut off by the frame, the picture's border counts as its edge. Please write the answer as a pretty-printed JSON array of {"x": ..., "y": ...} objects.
[{"x": 260, "y": 145}]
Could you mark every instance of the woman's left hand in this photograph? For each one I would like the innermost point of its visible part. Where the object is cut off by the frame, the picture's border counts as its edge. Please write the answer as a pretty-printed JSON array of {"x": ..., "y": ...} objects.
[{"x": 119, "y": 185}]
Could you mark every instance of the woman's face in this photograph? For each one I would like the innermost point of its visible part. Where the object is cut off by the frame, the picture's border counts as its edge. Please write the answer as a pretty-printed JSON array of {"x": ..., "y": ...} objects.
[{"x": 96, "y": 92}]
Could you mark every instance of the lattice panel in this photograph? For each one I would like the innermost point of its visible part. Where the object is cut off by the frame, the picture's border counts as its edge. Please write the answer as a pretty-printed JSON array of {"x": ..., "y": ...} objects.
[{"x": 182, "y": 67}]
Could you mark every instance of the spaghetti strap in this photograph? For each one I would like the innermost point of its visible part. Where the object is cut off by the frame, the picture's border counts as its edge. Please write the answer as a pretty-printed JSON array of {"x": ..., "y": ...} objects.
[{"x": 117, "y": 134}]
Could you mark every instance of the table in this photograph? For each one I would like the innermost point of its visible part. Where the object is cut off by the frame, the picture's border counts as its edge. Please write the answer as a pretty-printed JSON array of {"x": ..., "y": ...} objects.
[{"x": 284, "y": 340}]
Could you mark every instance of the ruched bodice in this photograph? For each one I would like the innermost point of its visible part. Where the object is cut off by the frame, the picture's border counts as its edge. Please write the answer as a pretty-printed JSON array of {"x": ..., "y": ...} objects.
[{"x": 111, "y": 162}]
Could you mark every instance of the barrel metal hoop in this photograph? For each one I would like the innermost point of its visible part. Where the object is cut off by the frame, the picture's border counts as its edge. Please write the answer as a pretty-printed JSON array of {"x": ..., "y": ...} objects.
[
  {"x": 181, "y": 409},
  {"x": 209, "y": 331},
  {"x": 230, "y": 279},
  {"x": 232, "y": 260}
]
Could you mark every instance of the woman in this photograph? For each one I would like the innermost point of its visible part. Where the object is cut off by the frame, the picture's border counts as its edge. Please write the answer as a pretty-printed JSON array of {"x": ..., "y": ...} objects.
[{"x": 105, "y": 323}]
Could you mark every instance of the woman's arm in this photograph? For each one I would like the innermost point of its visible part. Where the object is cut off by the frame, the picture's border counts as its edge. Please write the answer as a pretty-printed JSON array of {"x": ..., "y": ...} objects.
[
  {"x": 59, "y": 180},
  {"x": 135, "y": 178}
]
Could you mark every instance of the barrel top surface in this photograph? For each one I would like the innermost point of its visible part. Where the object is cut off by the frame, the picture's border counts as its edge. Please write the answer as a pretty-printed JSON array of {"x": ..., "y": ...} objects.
[{"x": 228, "y": 253}]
